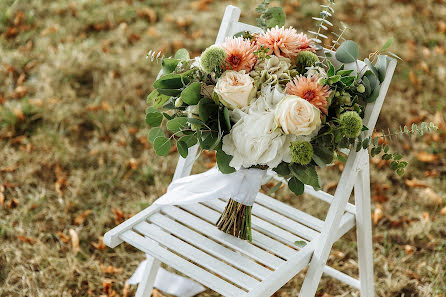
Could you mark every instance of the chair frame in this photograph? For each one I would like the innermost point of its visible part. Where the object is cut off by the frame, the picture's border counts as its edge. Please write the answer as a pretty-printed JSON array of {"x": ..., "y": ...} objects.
[{"x": 340, "y": 218}]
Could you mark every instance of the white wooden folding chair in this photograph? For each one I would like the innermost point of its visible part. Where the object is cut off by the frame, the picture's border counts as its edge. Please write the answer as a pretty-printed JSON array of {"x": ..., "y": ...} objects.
[{"x": 185, "y": 237}]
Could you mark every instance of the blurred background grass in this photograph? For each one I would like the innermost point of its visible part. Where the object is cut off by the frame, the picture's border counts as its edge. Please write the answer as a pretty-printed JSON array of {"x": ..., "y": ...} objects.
[{"x": 74, "y": 159}]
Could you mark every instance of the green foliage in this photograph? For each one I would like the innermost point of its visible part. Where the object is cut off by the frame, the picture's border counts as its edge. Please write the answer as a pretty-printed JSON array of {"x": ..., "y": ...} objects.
[
  {"x": 154, "y": 133},
  {"x": 348, "y": 52},
  {"x": 301, "y": 152},
  {"x": 296, "y": 186},
  {"x": 223, "y": 161},
  {"x": 182, "y": 54},
  {"x": 156, "y": 99},
  {"x": 282, "y": 169},
  {"x": 191, "y": 94},
  {"x": 153, "y": 117},
  {"x": 270, "y": 17},
  {"x": 169, "y": 65},
  {"x": 161, "y": 144},
  {"x": 306, "y": 174},
  {"x": 176, "y": 124}
]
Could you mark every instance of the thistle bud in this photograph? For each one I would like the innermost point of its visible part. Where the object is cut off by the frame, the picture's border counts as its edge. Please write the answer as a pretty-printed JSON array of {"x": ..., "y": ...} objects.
[
  {"x": 351, "y": 124},
  {"x": 212, "y": 58},
  {"x": 301, "y": 152}
]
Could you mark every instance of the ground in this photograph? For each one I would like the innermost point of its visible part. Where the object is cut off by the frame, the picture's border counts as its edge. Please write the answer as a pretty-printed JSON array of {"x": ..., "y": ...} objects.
[{"x": 74, "y": 159}]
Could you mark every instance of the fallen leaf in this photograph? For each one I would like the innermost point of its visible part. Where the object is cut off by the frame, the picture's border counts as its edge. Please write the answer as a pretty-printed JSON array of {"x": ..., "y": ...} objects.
[
  {"x": 74, "y": 241},
  {"x": 432, "y": 173},
  {"x": 18, "y": 18},
  {"x": 111, "y": 269},
  {"x": 26, "y": 239},
  {"x": 63, "y": 237},
  {"x": 126, "y": 290},
  {"x": 119, "y": 216},
  {"x": 99, "y": 245},
  {"x": 426, "y": 216},
  {"x": 81, "y": 218},
  {"x": 133, "y": 163},
  {"x": 13, "y": 203},
  {"x": 9, "y": 168},
  {"x": 426, "y": 157},
  {"x": 409, "y": 249},
  {"x": 415, "y": 183},
  {"x": 148, "y": 13},
  {"x": 432, "y": 196},
  {"x": 377, "y": 214},
  {"x": 443, "y": 211}
]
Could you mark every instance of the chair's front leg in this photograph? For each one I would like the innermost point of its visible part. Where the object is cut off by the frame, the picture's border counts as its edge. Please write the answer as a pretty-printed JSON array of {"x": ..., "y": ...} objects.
[
  {"x": 148, "y": 278},
  {"x": 364, "y": 231}
]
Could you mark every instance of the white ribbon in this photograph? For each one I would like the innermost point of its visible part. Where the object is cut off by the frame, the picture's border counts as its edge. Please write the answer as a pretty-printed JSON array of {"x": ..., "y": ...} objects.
[
  {"x": 168, "y": 282},
  {"x": 241, "y": 186}
]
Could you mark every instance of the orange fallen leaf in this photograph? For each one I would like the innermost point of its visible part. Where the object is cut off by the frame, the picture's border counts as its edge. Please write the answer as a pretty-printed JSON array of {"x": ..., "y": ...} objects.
[
  {"x": 377, "y": 214},
  {"x": 99, "y": 245},
  {"x": 2, "y": 195},
  {"x": 13, "y": 203},
  {"x": 409, "y": 249},
  {"x": 148, "y": 13},
  {"x": 443, "y": 211},
  {"x": 26, "y": 239},
  {"x": 9, "y": 168},
  {"x": 119, "y": 216},
  {"x": 74, "y": 241},
  {"x": 415, "y": 183},
  {"x": 81, "y": 218},
  {"x": 126, "y": 290},
  {"x": 63, "y": 237},
  {"x": 426, "y": 157},
  {"x": 111, "y": 269}
]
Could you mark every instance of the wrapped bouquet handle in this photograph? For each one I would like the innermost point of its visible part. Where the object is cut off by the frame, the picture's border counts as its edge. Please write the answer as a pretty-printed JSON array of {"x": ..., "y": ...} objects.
[{"x": 240, "y": 187}]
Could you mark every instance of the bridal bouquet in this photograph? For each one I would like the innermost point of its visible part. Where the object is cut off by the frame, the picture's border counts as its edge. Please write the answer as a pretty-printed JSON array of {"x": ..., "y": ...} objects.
[{"x": 271, "y": 100}]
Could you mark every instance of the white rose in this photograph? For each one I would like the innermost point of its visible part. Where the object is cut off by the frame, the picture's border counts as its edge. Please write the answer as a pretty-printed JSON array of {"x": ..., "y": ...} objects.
[
  {"x": 297, "y": 116},
  {"x": 254, "y": 141},
  {"x": 235, "y": 89}
]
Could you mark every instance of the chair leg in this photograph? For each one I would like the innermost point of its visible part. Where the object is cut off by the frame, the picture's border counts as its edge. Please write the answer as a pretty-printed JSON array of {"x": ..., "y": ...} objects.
[
  {"x": 364, "y": 232},
  {"x": 148, "y": 278}
]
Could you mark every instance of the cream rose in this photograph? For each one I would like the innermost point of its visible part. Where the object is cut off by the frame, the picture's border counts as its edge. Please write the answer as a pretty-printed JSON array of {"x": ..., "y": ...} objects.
[
  {"x": 297, "y": 116},
  {"x": 235, "y": 89}
]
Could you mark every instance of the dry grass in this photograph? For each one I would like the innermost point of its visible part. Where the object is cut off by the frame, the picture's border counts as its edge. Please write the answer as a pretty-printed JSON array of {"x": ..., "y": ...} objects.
[{"x": 74, "y": 160}]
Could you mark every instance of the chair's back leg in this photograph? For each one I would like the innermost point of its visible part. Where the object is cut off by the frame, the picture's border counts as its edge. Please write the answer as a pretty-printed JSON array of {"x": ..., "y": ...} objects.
[
  {"x": 331, "y": 225},
  {"x": 148, "y": 278},
  {"x": 364, "y": 231}
]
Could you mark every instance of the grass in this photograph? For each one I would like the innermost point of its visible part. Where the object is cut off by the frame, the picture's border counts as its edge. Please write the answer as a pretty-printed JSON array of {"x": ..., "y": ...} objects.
[{"x": 74, "y": 160}]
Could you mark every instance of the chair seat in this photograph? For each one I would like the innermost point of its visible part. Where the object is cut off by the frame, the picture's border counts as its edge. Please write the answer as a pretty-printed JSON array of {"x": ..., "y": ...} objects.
[{"x": 185, "y": 237}]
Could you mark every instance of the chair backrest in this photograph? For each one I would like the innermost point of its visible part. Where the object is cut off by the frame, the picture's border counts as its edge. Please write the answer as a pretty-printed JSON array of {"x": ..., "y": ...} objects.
[{"x": 230, "y": 25}]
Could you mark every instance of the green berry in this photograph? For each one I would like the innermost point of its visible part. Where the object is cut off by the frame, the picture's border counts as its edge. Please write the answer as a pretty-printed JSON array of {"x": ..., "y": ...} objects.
[
  {"x": 301, "y": 152},
  {"x": 212, "y": 58},
  {"x": 360, "y": 88},
  {"x": 305, "y": 59},
  {"x": 351, "y": 124}
]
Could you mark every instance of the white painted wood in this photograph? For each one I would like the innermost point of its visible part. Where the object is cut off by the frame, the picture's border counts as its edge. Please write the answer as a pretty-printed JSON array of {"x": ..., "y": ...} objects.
[
  {"x": 364, "y": 231},
  {"x": 196, "y": 255},
  {"x": 148, "y": 277},
  {"x": 347, "y": 279},
  {"x": 211, "y": 247},
  {"x": 208, "y": 279},
  {"x": 332, "y": 221},
  {"x": 290, "y": 212},
  {"x": 112, "y": 237},
  {"x": 208, "y": 228},
  {"x": 262, "y": 226}
]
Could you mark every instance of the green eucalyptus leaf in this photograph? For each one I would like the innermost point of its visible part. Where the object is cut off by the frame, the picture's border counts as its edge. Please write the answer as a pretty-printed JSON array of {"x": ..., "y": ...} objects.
[
  {"x": 161, "y": 145},
  {"x": 154, "y": 133},
  {"x": 381, "y": 66},
  {"x": 189, "y": 140},
  {"x": 169, "y": 65},
  {"x": 374, "y": 95},
  {"x": 169, "y": 92},
  {"x": 348, "y": 80},
  {"x": 172, "y": 81},
  {"x": 371, "y": 67},
  {"x": 387, "y": 44},
  {"x": 191, "y": 94},
  {"x": 153, "y": 117},
  {"x": 300, "y": 244},
  {"x": 176, "y": 124},
  {"x": 182, "y": 148},
  {"x": 227, "y": 119},
  {"x": 347, "y": 52},
  {"x": 195, "y": 121},
  {"x": 274, "y": 16}
]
